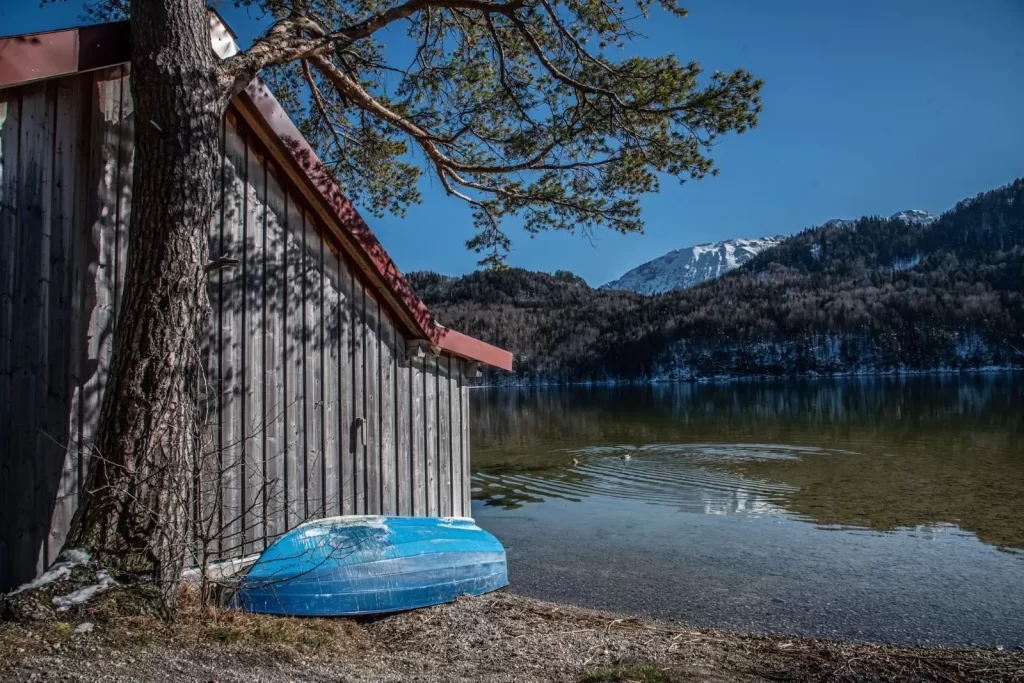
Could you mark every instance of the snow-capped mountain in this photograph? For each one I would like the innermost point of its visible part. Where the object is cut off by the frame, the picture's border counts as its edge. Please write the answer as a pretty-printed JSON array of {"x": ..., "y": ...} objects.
[
  {"x": 915, "y": 216},
  {"x": 839, "y": 223},
  {"x": 690, "y": 266}
]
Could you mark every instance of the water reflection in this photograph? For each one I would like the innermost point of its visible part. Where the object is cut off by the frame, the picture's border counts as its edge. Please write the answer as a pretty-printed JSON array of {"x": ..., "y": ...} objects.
[{"x": 932, "y": 454}]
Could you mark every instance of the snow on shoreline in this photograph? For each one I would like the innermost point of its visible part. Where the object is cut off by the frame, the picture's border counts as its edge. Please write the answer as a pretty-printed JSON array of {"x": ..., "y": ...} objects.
[{"x": 725, "y": 378}]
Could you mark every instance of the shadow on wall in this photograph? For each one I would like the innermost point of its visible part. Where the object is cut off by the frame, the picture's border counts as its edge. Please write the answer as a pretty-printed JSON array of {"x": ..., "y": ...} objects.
[
  {"x": 307, "y": 164},
  {"x": 290, "y": 305}
]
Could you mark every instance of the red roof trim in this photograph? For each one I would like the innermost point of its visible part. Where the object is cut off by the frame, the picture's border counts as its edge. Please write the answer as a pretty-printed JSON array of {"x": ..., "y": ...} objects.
[
  {"x": 38, "y": 56},
  {"x": 459, "y": 344}
]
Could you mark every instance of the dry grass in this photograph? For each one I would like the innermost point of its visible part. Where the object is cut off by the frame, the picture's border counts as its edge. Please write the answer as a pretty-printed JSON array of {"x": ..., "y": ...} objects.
[
  {"x": 499, "y": 637},
  {"x": 199, "y": 623},
  {"x": 629, "y": 673},
  {"x": 123, "y": 626}
]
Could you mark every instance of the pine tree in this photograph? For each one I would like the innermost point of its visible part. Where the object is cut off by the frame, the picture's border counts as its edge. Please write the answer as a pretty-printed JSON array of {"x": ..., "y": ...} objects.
[{"x": 516, "y": 107}]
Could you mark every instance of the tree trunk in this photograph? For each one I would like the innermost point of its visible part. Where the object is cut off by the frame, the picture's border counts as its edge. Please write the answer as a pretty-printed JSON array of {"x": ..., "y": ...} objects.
[{"x": 134, "y": 509}]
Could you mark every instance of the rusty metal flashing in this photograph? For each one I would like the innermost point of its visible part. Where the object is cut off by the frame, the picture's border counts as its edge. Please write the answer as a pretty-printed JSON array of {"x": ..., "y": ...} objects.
[{"x": 38, "y": 56}]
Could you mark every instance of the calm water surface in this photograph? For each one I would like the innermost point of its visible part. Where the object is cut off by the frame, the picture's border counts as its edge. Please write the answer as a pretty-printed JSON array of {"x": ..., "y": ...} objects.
[{"x": 878, "y": 508}]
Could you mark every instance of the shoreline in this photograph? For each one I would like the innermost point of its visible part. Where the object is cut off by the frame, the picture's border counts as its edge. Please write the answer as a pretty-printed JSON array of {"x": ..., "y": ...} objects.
[
  {"x": 496, "y": 637},
  {"x": 769, "y": 575},
  {"x": 729, "y": 379}
]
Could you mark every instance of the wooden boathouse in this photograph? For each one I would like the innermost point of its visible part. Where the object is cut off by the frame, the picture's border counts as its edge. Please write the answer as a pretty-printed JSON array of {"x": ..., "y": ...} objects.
[{"x": 331, "y": 391}]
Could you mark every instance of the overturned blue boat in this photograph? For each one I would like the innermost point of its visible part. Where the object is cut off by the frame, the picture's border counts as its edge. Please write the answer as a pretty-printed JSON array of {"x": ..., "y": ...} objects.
[{"x": 345, "y": 566}]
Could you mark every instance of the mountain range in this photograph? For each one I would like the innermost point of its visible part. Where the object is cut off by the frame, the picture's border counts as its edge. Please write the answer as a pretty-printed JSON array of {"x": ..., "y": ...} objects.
[
  {"x": 907, "y": 293},
  {"x": 690, "y": 266}
]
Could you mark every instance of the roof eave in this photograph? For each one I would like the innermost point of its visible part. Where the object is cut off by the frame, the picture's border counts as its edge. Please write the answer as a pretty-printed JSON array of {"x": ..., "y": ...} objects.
[
  {"x": 39, "y": 56},
  {"x": 470, "y": 348}
]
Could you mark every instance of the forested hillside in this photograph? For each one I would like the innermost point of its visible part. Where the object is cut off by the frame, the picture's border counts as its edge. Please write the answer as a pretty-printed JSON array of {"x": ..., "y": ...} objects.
[{"x": 874, "y": 295}]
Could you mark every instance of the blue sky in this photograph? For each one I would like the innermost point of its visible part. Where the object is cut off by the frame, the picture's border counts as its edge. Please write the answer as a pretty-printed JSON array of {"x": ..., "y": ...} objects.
[{"x": 869, "y": 107}]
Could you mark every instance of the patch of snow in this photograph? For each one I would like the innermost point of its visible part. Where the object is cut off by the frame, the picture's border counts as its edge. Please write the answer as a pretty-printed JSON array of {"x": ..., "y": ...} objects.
[
  {"x": 83, "y": 595},
  {"x": 730, "y": 256},
  {"x": 906, "y": 263},
  {"x": 816, "y": 252},
  {"x": 690, "y": 266},
  {"x": 85, "y": 627},
  {"x": 819, "y": 355},
  {"x": 76, "y": 556},
  {"x": 59, "y": 571}
]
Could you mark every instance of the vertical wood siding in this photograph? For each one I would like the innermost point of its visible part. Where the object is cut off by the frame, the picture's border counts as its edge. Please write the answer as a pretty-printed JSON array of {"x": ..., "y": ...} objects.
[
  {"x": 233, "y": 338},
  {"x": 275, "y": 301},
  {"x": 314, "y": 408}
]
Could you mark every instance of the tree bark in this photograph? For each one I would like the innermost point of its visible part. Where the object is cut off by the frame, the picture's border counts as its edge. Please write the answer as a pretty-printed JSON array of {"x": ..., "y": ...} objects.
[{"x": 134, "y": 510}]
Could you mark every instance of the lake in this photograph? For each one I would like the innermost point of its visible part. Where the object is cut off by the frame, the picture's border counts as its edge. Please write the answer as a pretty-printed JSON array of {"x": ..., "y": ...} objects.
[{"x": 876, "y": 508}]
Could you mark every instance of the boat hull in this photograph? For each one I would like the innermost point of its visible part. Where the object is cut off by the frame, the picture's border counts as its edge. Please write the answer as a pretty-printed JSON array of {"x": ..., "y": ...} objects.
[{"x": 347, "y": 566}]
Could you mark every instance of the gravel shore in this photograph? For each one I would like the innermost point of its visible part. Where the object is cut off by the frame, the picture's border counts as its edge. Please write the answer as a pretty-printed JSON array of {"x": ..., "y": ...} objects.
[{"x": 498, "y": 637}]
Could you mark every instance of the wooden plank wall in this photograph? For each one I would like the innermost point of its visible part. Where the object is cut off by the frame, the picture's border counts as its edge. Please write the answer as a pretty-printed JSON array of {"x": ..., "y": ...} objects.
[
  {"x": 65, "y": 182},
  {"x": 314, "y": 408},
  {"x": 327, "y": 415}
]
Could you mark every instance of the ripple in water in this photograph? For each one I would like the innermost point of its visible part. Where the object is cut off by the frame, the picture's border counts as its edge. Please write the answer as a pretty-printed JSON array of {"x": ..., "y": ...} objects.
[{"x": 683, "y": 476}]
